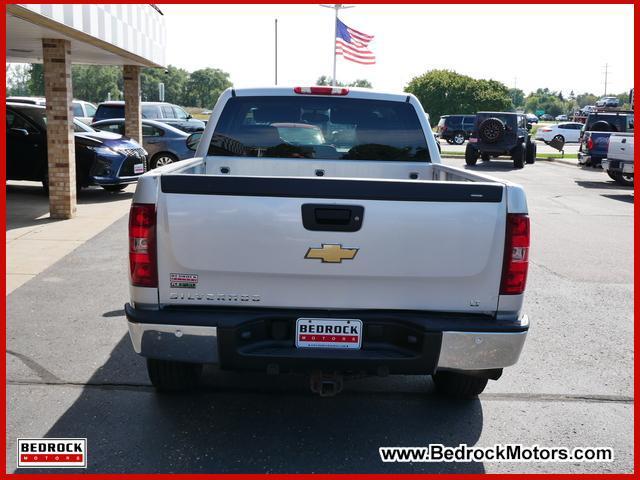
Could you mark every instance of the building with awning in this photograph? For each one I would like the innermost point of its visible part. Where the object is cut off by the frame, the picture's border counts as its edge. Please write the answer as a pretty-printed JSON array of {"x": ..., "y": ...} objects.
[{"x": 58, "y": 35}]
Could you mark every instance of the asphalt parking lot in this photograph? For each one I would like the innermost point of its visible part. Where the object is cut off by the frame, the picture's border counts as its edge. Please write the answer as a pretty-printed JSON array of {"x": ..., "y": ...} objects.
[{"x": 72, "y": 372}]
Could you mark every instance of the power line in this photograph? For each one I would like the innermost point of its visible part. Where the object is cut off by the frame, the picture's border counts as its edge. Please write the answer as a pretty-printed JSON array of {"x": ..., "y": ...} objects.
[{"x": 606, "y": 78}]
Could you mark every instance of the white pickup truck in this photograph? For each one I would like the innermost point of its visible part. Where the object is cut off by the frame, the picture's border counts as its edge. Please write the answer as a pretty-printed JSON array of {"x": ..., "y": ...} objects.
[
  {"x": 619, "y": 162},
  {"x": 316, "y": 231}
]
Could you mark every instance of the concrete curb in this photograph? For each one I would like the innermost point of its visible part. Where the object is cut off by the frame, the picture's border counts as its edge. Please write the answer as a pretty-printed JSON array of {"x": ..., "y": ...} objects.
[{"x": 566, "y": 161}]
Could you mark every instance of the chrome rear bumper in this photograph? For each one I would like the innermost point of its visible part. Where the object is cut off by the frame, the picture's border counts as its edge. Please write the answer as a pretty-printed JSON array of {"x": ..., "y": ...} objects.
[{"x": 458, "y": 351}]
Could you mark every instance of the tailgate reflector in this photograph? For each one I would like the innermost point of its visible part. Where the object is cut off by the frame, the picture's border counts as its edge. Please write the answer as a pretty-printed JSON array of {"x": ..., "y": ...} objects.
[
  {"x": 321, "y": 91},
  {"x": 142, "y": 245},
  {"x": 516, "y": 255}
]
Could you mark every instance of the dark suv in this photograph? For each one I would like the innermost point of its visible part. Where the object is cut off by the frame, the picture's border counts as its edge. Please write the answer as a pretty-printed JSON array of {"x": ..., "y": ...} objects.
[
  {"x": 163, "y": 112},
  {"x": 455, "y": 129},
  {"x": 501, "y": 133}
]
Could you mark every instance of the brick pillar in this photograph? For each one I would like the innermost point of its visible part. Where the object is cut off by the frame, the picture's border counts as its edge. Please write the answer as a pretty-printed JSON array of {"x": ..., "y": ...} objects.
[
  {"x": 132, "y": 108},
  {"x": 56, "y": 56}
]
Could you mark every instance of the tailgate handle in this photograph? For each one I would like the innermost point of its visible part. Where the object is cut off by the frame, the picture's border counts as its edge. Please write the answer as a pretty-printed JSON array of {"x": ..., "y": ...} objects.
[{"x": 332, "y": 218}]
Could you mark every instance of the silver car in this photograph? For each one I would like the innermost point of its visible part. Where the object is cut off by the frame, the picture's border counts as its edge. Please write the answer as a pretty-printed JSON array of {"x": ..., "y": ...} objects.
[{"x": 165, "y": 144}]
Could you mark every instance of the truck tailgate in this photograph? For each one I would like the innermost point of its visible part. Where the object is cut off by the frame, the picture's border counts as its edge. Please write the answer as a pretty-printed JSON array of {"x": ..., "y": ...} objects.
[{"x": 240, "y": 241}]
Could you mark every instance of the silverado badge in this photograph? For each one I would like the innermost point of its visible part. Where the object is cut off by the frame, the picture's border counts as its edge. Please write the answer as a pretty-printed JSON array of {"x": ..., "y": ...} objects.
[{"x": 331, "y": 253}]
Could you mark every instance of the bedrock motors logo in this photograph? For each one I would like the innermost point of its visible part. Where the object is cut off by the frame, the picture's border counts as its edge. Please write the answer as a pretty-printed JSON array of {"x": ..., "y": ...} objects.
[{"x": 52, "y": 453}]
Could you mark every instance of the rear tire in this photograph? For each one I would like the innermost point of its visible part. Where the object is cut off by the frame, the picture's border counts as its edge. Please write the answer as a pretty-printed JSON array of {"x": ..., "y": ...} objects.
[
  {"x": 532, "y": 151},
  {"x": 470, "y": 155},
  {"x": 485, "y": 157},
  {"x": 162, "y": 159},
  {"x": 622, "y": 179},
  {"x": 458, "y": 385},
  {"x": 170, "y": 376},
  {"x": 458, "y": 138},
  {"x": 518, "y": 155}
]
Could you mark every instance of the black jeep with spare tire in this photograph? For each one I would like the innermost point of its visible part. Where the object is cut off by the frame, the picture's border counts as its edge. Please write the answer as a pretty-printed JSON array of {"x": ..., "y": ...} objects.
[{"x": 501, "y": 133}]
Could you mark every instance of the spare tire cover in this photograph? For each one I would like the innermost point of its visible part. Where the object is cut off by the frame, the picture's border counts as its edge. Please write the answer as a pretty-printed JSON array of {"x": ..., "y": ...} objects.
[{"x": 491, "y": 130}]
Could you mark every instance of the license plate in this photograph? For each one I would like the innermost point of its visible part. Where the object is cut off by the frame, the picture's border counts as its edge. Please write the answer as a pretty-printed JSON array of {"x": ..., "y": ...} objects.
[
  {"x": 473, "y": 140},
  {"x": 328, "y": 333},
  {"x": 138, "y": 168}
]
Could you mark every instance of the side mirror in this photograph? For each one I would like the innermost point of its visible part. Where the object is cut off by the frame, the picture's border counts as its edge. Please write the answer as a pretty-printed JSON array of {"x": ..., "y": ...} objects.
[
  {"x": 19, "y": 132},
  {"x": 189, "y": 116},
  {"x": 193, "y": 140}
]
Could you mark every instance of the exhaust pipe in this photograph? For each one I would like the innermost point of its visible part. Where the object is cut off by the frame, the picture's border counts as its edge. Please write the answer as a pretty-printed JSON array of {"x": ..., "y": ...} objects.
[{"x": 326, "y": 384}]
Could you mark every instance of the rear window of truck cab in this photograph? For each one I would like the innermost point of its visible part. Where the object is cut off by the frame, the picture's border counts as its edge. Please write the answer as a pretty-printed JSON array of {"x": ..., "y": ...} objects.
[{"x": 319, "y": 127}]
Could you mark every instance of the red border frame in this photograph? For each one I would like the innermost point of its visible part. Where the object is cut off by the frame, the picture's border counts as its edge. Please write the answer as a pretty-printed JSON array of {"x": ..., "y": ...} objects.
[{"x": 3, "y": 474}]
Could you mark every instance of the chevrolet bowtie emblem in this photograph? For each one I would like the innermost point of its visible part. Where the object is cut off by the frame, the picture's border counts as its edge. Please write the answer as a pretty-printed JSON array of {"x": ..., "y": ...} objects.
[{"x": 331, "y": 253}]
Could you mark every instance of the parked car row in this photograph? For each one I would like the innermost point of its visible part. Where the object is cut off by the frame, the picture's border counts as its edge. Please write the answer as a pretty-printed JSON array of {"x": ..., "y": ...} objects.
[
  {"x": 88, "y": 113},
  {"x": 83, "y": 111},
  {"x": 164, "y": 143},
  {"x": 104, "y": 156},
  {"x": 165, "y": 112}
]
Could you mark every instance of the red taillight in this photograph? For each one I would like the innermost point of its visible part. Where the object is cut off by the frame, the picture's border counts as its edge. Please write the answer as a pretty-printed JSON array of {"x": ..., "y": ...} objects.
[
  {"x": 321, "y": 90},
  {"x": 590, "y": 143},
  {"x": 516, "y": 255},
  {"x": 546, "y": 129},
  {"x": 142, "y": 245}
]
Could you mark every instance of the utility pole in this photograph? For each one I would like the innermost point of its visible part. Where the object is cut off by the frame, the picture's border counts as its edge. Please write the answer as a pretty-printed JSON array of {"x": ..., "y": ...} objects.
[
  {"x": 606, "y": 77},
  {"x": 336, "y": 7},
  {"x": 276, "y": 51}
]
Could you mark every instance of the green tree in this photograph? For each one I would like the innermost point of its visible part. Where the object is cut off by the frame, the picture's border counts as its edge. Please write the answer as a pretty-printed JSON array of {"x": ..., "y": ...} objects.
[
  {"x": 205, "y": 86},
  {"x": 553, "y": 103},
  {"x": 95, "y": 83},
  {"x": 175, "y": 83},
  {"x": 447, "y": 92},
  {"x": 585, "y": 99},
  {"x": 36, "y": 81},
  {"x": 18, "y": 76},
  {"x": 517, "y": 98},
  {"x": 323, "y": 80}
]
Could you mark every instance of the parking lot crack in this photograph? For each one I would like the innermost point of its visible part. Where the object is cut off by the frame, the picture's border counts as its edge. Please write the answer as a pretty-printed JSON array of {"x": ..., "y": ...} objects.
[
  {"x": 485, "y": 397},
  {"x": 556, "y": 397}
]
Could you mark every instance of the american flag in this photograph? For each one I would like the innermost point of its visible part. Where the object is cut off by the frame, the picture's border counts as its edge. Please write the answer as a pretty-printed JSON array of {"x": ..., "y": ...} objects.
[{"x": 353, "y": 45}]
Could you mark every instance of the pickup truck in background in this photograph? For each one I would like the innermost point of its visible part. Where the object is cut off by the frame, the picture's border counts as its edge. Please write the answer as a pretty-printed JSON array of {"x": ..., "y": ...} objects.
[
  {"x": 619, "y": 162},
  {"x": 594, "y": 141},
  {"x": 316, "y": 231}
]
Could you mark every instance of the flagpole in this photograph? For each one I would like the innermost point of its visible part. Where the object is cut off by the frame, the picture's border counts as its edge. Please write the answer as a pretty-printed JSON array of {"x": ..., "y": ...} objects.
[
  {"x": 335, "y": 7},
  {"x": 335, "y": 35}
]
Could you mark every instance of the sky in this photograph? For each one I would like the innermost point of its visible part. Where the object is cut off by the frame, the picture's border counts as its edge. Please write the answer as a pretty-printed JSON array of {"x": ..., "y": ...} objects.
[{"x": 561, "y": 47}]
